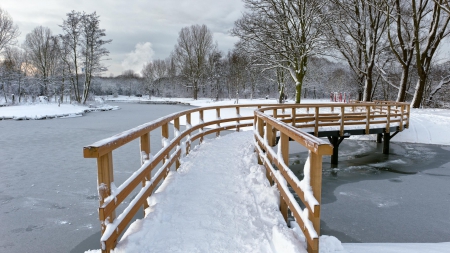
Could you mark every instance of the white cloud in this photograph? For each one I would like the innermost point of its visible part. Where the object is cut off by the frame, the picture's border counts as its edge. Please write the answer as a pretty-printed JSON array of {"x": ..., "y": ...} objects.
[{"x": 143, "y": 53}]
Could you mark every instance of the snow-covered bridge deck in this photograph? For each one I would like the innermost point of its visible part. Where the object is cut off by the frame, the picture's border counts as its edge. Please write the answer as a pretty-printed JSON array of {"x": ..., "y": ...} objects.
[
  {"x": 219, "y": 200},
  {"x": 231, "y": 206}
]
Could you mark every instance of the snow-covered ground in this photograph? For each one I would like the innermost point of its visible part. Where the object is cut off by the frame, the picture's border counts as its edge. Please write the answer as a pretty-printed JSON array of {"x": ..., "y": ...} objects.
[
  {"x": 48, "y": 110},
  {"x": 427, "y": 126}
]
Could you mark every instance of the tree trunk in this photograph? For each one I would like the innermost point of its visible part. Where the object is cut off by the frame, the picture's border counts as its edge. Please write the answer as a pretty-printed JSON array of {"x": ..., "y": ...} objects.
[
  {"x": 281, "y": 95},
  {"x": 402, "y": 87},
  {"x": 368, "y": 86},
  {"x": 418, "y": 95},
  {"x": 195, "y": 90},
  {"x": 298, "y": 92}
]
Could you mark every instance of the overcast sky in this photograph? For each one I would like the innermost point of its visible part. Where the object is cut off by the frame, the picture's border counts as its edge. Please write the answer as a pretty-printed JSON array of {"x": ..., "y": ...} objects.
[{"x": 141, "y": 30}]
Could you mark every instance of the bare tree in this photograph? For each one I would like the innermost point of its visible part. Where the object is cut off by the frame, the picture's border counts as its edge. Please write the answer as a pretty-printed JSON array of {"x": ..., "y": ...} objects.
[
  {"x": 40, "y": 46},
  {"x": 152, "y": 73},
  {"x": 283, "y": 34},
  {"x": 430, "y": 27},
  {"x": 195, "y": 44},
  {"x": 17, "y": 59},
  {"x": 401, "y": 41},
  {"x": 71, "y": 48},
  {"x": 93, "y": 49},
  {"x": 149, "y": 78},
  {"x": 8, "y": 31},
  {"x": 357, "y": 32},
  {"x": 237, "y": 73}
]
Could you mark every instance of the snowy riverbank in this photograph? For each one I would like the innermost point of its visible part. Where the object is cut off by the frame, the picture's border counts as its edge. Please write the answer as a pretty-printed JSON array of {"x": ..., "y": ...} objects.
[{"x": 49, "y": 111}]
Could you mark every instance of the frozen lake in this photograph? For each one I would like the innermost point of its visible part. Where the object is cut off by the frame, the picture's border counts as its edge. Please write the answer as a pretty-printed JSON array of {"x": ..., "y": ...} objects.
[
  {"x": 401, "y": 197},
  {"x": 48, "y": 196}
]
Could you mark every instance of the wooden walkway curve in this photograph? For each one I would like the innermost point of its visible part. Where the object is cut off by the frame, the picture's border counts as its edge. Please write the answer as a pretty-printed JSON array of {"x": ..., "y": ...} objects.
[{"x": 273, "y": 124}]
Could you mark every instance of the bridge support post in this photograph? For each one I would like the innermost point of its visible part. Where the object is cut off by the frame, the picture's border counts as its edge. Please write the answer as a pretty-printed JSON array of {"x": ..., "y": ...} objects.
[
  {"x": 387, "y": 139},
  {"x": 379, "y": 138},
  {"x": 335, "y": 141}
]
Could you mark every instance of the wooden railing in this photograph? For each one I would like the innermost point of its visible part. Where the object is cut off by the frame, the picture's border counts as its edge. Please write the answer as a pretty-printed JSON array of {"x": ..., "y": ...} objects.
[
  {"x": 154, "y": 168},
  {"x": 344, "y": 116},
  {"x": 309, "y": 190},
  {"x": 269, "y": 120}
]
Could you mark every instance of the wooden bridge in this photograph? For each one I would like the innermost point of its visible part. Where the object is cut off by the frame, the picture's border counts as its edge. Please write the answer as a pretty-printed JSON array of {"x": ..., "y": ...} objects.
[{"x": 273, "y": 125}]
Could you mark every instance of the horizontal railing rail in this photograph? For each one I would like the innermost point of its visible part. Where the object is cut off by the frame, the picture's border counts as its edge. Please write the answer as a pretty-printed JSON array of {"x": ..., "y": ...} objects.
[{"x": 269, "y": 120}]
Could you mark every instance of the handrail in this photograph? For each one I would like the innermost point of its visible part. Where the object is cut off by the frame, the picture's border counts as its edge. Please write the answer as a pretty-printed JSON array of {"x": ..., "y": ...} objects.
[
  {"x": 338, "y": 116},
  {"x": 309, "y": 189},
  {"x": 267, "y": 125},
  {"x": 111, "y": 197}
]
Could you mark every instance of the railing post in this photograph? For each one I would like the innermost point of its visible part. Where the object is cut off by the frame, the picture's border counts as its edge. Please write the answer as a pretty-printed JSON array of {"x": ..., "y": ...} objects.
[
  {"x": 260, "y": 127},
  {"x": 402, "y": 107},
  {"x": 165, "y": 137},
  {"x": 271, "y": 138},
  {"x": 408, "y": 109},
  {"x": 218, "y": 124},
  {"x": 238, "y": 122},
  {"x": 315, "y": 160},
  {"x": 284, "y": 149},
  {"x": 367, "y": 119},
  {"x": 188, "y": 142},
  {"x": 341, "y": 130},
  {"x": 316, "y": 121},
  {"x": 201, "y": 122},
  {"x": 145, "y": 155},
  {"x": 176, "y": 129},
  {"x": 105, "y": 176},
  {"x": 293, "y": 116},
  {"x": 388, "y": 119}
]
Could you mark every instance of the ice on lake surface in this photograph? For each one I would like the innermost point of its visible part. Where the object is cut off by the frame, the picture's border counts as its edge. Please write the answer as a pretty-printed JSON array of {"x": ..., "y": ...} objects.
[{"x": 371, "y": 197}]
